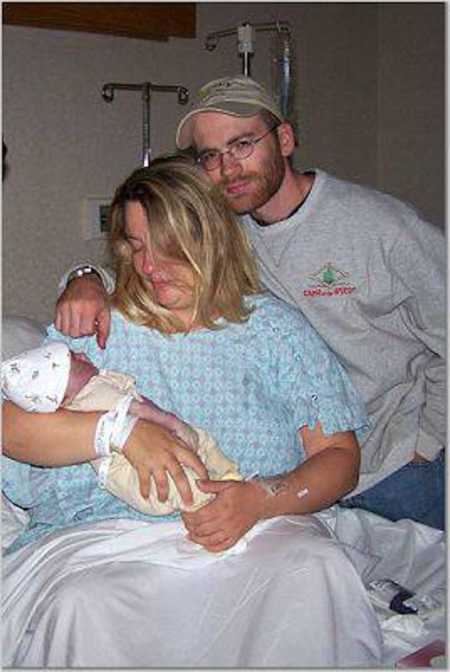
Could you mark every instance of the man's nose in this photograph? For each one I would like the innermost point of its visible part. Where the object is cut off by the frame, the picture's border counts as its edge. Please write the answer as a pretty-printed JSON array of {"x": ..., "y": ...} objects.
[{"x": 228, "y": 164}]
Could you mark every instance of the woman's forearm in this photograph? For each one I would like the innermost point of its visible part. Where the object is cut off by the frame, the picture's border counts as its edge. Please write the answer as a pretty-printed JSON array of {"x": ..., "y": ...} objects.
[
  {"x": 67, "y": 437},
  {"x": 330, "y": 471},
  {"x": 48, "y": 439},
  {"x": 315, "y": 485}
]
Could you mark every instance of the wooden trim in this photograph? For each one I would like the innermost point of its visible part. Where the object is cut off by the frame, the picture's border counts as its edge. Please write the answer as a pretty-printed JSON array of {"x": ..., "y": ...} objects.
[{"x": 144, "y": 20}]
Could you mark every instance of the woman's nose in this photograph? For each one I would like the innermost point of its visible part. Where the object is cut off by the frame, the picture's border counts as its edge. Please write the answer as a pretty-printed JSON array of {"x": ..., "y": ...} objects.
[{"x": 148, "y": 261}]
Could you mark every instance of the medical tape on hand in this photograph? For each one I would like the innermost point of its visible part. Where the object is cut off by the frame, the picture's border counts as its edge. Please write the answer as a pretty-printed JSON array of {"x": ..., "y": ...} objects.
[{"x": 273, "y": 488}]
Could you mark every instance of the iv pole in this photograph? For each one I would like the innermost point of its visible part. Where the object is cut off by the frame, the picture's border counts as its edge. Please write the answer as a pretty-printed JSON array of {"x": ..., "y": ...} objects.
[
  {"x": 246, "y": 48},
  {"x": 145, "y": 88}
]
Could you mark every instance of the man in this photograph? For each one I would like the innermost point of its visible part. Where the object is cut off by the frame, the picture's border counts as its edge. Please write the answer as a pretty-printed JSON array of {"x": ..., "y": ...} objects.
[{"x": 364, "y": 268}]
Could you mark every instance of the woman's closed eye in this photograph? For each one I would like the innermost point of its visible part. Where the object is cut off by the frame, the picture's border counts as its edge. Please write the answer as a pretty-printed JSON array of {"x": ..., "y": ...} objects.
[{"x": 135, "y": 244}]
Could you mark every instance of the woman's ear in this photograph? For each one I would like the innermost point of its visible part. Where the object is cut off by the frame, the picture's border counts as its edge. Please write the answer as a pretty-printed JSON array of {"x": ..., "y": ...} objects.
[{"x": 286, "y": 138}]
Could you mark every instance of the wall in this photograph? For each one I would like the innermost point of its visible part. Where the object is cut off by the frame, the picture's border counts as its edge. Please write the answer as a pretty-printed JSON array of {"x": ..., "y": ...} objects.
[
  {"x": 370, "y": 107},
  {"x": 411, "y": 105}
]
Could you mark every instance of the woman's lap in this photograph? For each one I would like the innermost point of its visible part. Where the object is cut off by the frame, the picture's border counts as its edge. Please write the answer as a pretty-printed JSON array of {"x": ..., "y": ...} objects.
[{"x": 290, "y": 599}]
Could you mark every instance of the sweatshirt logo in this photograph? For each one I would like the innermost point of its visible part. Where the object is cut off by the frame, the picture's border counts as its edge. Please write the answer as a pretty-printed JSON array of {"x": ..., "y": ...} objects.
[{"x": 329, "y": 281}]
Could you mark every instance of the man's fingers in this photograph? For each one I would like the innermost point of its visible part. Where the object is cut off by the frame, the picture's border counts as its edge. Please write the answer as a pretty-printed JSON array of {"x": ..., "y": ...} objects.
[
  {"x": 62, "y": 318},
  {"x": 103, "y": 327},
  {"x": 85, "y": 325}
]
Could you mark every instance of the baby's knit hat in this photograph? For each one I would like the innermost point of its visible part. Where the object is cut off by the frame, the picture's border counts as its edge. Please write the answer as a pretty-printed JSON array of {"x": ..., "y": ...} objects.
[{"x": 37, "y": 379}]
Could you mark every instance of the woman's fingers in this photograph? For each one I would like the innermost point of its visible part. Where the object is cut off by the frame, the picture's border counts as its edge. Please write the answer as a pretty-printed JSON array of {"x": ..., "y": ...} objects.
[
  {"x": 155, "y": 452},
  {"x": 181, "y": 482},
  {"x": 188, "y": 458},
  {"x": 144, "y": 482},
  {"x": 219, "y": 541},
  {"x": 161, "y": 483}
]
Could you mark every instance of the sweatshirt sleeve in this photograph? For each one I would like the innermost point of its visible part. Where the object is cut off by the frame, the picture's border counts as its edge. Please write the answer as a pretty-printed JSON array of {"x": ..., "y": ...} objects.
[{"x": 419, "y": 270}]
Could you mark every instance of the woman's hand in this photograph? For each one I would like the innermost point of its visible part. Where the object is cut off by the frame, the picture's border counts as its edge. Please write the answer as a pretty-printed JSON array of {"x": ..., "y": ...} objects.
[
  {"x": 329, "y": 472},
  {"x": 155, "y": 452},
  {"x": 221, "y": 523}
]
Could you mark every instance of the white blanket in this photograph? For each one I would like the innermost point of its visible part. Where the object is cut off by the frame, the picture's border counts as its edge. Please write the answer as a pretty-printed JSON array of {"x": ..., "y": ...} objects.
[{"x": 127, "y": 594}]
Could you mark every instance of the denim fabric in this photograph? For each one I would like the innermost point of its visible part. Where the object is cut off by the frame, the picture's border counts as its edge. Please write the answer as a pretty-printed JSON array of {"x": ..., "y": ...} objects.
[{"x": 416, "y": 491}]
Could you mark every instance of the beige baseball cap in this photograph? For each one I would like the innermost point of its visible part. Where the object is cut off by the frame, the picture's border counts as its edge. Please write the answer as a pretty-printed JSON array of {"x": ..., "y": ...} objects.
[{"x": 238, "y": 96}]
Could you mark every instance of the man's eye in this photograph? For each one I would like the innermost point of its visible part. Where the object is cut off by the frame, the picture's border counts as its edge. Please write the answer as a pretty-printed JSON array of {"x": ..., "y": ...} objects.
[
  {"x": 242, "y": 145},
  {"x": 209, "y": 156}
]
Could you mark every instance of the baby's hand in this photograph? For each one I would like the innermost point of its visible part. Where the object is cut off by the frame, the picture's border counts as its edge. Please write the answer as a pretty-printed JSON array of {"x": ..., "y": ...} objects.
[{"x": 148, "y": 410}]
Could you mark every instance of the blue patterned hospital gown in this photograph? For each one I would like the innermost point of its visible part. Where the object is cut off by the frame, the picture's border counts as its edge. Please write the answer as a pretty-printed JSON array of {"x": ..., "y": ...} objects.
[{"x": 250, "y": 385}]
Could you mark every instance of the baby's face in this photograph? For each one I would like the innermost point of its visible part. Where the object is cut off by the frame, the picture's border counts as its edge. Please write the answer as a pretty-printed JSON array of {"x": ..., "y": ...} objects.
[{"x": 81, "y": 371}]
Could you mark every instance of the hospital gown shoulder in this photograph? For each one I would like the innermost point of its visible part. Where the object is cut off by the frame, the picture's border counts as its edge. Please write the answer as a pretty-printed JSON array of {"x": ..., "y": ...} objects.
[{"x": 274, "y": 317}]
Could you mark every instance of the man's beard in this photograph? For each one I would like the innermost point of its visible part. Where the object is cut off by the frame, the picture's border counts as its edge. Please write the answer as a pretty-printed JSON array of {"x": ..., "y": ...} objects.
[{"x": 265, "y": 184}]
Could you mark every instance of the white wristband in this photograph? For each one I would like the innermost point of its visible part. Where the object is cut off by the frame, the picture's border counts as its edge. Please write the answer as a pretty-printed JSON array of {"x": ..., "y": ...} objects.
[
  {"x": 121, "y": 433},
  {"x": 115, "y": 441},
  {"x": 114, "y": 428},
  {"x": 103, "y": 432}
]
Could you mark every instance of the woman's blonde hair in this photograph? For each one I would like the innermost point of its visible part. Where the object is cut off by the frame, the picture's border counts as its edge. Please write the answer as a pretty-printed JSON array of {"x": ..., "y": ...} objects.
[{"x": 189, "y": 220}]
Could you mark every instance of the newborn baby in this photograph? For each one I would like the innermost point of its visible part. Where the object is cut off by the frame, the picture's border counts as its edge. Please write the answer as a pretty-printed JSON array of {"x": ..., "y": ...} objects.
[{"x": 52, "y": 376}]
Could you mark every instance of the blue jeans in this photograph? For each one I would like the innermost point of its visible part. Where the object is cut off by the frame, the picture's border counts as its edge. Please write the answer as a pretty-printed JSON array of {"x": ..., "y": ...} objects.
[{"x": 416, "y": 491}]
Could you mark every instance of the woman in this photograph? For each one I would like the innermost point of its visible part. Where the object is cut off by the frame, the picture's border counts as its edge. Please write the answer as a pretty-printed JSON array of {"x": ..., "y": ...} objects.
[{"x": 192, "y": 325}]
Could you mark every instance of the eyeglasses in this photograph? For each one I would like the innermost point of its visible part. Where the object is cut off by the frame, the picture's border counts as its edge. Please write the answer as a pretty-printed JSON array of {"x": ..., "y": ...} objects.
[{"x": 238, "y": 150}]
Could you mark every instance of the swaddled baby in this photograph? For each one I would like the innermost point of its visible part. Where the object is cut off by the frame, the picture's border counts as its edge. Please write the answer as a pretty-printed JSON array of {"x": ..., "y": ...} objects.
[{"x": 52, "y": 376}]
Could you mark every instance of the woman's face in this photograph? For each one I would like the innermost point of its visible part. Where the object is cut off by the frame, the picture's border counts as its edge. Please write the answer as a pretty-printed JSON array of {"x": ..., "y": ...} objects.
[{"x": 171, "y": 280}]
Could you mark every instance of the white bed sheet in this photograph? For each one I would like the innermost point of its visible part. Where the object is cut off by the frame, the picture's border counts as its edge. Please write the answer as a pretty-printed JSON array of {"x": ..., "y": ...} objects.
[
  {"x": 407, "y": 552},
  {"x": 175, "y": 605},
  {"x": 170, "y": 608}
]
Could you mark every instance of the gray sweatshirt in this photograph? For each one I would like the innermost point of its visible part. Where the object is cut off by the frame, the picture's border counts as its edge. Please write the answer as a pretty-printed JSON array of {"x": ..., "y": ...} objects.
[{"x": 369, "y": 274}]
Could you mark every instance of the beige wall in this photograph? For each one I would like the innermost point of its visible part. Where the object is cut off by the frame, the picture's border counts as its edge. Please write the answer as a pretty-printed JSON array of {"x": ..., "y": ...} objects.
[{"x": 370, "y": 107}]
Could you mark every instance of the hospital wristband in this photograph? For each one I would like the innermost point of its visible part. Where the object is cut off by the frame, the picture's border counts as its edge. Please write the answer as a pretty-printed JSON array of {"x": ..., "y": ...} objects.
[
  {"x": 120, "y": 434},
  {"x": 103, "y": 433}
]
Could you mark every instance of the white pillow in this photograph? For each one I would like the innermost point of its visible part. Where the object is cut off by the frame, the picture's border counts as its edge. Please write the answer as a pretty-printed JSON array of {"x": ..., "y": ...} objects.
[{"x": 19, "y": 334}]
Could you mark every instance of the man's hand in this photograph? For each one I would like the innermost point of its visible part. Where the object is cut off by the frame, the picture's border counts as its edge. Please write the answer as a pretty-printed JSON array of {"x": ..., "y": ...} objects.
[
  {"x": 154, "y": 452},
  {"x": 221, "y": 523},
  {"x": 83, "y": 310}
]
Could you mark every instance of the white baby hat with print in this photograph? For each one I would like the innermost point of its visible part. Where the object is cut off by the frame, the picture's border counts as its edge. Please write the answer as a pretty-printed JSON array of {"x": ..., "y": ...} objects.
[{"x": 37, "y": 379}]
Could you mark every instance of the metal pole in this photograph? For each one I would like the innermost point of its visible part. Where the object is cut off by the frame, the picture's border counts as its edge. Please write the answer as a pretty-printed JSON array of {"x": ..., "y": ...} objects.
[
  {"x": 146, "y": 88},
  {"x": 146, "y": 151}
]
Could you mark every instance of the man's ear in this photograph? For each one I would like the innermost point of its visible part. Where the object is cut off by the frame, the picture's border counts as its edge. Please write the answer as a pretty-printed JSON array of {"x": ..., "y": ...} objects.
[{"x": 286, "y": 138}]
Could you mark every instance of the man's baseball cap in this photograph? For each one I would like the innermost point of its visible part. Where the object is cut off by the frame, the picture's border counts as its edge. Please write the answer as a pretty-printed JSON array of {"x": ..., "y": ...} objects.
[{"x": 238, "y": 96}]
